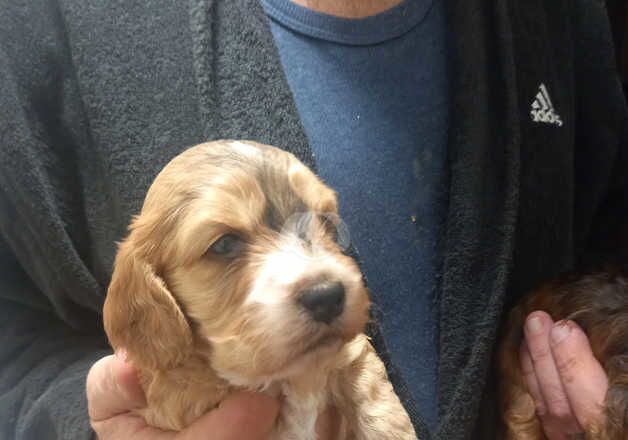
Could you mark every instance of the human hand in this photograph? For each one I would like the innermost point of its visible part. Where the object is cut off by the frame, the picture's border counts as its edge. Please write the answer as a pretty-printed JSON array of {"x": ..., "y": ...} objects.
[
  {"x": 565, "y": 380},
  {"x": 113, "y": 391}
]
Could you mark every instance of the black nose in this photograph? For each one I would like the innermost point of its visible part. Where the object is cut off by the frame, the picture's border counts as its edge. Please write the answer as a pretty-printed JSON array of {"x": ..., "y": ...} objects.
[{"x": 324, "y": 302}]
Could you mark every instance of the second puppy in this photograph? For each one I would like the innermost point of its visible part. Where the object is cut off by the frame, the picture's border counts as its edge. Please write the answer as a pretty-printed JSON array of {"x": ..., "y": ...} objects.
[{"x": 598, "y": 303}]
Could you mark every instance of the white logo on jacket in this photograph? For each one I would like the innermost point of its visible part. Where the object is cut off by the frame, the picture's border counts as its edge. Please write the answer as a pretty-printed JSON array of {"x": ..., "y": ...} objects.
[{"x": 543, "y": 110}]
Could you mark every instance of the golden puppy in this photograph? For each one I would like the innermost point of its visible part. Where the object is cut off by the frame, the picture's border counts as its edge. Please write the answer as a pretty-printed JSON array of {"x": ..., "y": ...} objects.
[
  {"x": 232, "y": 278},
  {"x": 599, "y": 304}
]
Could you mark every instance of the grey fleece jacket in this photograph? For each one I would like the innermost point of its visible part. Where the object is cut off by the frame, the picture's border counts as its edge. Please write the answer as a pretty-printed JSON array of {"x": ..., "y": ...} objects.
[{"x": 95, "y": 97}]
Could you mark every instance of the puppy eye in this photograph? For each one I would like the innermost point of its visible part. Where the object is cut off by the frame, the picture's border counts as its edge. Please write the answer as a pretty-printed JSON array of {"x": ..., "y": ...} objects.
[
  {"x": 229, "y": 245},
  {"x": 329, "y": 226},
  {"x": 336, "y": 229}
]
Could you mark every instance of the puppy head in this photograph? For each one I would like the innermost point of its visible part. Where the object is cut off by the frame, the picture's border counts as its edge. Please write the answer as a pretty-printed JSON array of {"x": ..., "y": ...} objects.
[{"x": 235, "y": 257}]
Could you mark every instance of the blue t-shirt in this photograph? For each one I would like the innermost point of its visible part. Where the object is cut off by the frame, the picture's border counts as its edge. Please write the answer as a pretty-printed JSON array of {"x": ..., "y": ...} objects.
[{"x": 372, "y": 94}]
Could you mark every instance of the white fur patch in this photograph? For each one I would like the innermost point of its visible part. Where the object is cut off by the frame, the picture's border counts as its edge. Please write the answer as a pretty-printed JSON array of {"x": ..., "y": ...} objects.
[
  {"x": 244, "y": 148},
  {"x": 292, "y": 264},
  {"x": 299, "y": 415},
  {"x": 281, "y": 269},
  {"x": 300, "y": 411}
]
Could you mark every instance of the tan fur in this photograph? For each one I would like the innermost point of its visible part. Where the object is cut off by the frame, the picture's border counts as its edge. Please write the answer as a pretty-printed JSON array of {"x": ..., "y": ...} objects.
[
  {"x": 200, "y": 326},
  {"x": 599, "y": 304}
]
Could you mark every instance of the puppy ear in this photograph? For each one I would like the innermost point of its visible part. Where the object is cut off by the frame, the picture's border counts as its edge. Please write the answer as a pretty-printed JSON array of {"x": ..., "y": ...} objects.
[{"x": 142, "y": 316}]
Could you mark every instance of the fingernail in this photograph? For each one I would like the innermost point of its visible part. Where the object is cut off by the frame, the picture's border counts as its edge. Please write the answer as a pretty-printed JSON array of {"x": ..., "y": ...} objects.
[
  {"x": 122, "y": 354},
  {"x": 560, "y": 331},
  {"x": 534, "y": 325}
]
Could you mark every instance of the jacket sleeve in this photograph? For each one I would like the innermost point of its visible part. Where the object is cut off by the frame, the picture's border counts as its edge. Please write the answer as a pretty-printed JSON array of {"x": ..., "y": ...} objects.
[
  {"x": 43, "y": 366},
  {"x": 50, "y": 331},
  {"x": 601, "y": 150}
]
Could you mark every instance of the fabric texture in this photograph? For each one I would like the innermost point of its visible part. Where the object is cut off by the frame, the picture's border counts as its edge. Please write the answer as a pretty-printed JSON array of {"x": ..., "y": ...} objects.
[
  {"x": 375, "y": 114},
  {"x": 96, "y": 97}
]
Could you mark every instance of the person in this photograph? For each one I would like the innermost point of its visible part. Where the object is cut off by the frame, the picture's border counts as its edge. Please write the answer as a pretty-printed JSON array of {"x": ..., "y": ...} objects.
[{"x": 478, "y": 149}]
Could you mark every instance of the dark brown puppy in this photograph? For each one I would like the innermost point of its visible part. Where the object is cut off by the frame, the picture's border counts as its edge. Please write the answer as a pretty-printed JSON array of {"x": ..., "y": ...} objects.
[{"x": 599, "y": 304}]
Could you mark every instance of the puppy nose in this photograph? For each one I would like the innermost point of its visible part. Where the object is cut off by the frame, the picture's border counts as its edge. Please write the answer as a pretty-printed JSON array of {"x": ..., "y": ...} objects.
[{"x": 324, "y": 302}]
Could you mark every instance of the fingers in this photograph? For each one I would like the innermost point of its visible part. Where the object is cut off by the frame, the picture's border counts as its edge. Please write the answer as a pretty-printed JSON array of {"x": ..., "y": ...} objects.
[
  {"x": 112, "y": 391},
  {"x": 537, "y": 334},
  {"x": 530, "y": 376},
  {"x": 129, "y": 426},
  {"x": 584, "y": 380},
  {"x": 241, "y": 416},
  {"x": 112, "y": 388},
  {"x": 544, "y": 381}
]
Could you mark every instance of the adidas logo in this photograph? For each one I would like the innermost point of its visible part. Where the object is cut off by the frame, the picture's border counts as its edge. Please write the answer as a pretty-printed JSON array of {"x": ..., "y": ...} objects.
[{"x": 543, "y": 110}]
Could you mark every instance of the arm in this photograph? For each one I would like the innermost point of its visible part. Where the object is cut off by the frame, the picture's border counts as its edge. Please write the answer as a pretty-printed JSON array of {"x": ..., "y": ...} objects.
[
  {"x": 43, "y": 370},
  {"x": 54, "y": 257},
  {"x": 42, "y": 378},
  {"x": 49, "y": 300},
  {"x": 43, "y": 365}
]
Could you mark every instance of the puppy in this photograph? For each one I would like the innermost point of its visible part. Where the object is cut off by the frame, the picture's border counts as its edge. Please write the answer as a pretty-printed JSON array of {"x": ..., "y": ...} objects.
[
  {"x": 232, "y": 277},
  {"x": 599, "y": 304}
]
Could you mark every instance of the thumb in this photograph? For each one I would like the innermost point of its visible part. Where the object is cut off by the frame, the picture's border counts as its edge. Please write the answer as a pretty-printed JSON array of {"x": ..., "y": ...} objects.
[
  {"x": 583, "y": 378},
  {"x": 242, "y": 416},
  {"x": 112, "y": 388}
]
